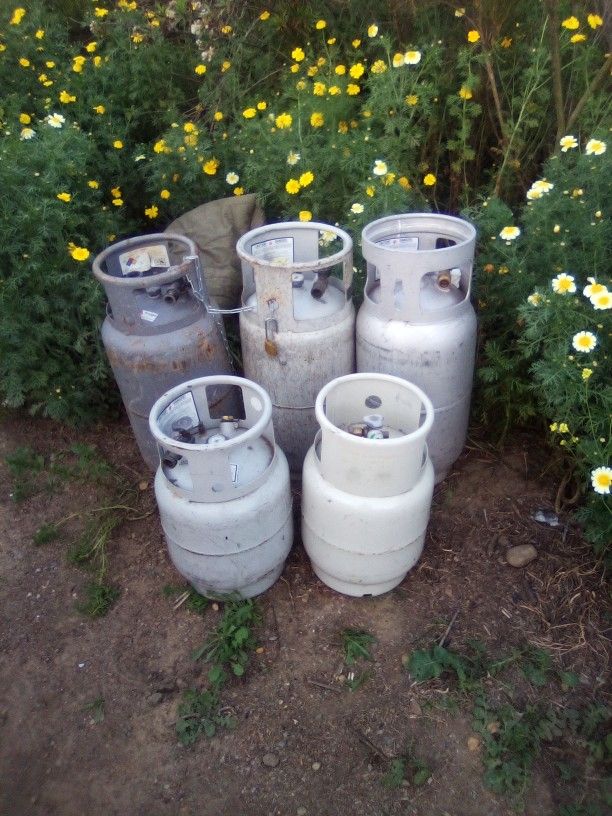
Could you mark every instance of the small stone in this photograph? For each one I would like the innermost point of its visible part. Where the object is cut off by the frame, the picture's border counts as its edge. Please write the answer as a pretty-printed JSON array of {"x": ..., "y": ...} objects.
[
  {"x": 143, "y": 485},
  {"x": 521, "y": 555},
  {"x": 493, "y": 727},
  {"x": 155, "y": 698},
  {"x": 301, "y": 811},
  {"x": 270, "y": 760},
  {"x": 316, "y": 766},
  {"x": 215, "y": 607},
  {"x": 473, "y": 743}
]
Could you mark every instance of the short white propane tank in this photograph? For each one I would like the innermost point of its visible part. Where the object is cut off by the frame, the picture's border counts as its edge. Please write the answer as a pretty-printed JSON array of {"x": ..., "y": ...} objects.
[
  {"x": 298, "y": 321},
  {"x": 367, "y": 483},
  {"x": 416, "y": 320},
  {"x": 222, "y": 487}
]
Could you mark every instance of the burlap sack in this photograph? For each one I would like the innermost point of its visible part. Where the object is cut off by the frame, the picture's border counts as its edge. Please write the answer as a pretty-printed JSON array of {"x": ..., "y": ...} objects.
[{"x": 215, "y": 227}]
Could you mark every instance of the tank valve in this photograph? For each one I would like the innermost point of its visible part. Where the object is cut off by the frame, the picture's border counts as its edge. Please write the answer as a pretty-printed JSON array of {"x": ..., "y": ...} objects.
[
  {"x": 297, "y": 280},
  {"x": 170, "y": 460},
  {"x": 320, "y": 285},
  {"x": 228, "y": 426},
  {"x": 444, "y": 281},
  {"x": 172, "y": 292},
  {"x": 374, "y": 426}
]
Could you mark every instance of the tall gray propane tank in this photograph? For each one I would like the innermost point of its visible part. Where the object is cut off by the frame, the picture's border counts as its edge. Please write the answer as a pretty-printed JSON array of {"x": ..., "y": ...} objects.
[
  {"x": 222, "y": 487},
  {"x": 157, "y": 330},
  {"x": 416, "y": 320},
  {"x": 297, "y": 321}
]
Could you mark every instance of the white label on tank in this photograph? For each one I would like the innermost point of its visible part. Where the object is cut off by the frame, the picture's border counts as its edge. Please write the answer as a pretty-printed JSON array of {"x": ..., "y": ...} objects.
[
  {"x": 182, "y": 407},
  {"x": 277, "y": 251},
  {"x": 234, "y": 473},
  {"x": 399, "y": 242},
  {"x": 148, "y": 316},
  {"x": 144, "y": 258}
]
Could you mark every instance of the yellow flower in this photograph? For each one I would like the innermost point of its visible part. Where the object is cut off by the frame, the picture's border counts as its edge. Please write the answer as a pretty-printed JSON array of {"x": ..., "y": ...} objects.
[
  {"x": 293, "y": 158},
  {"x": 594, "y": 20},
  {"x": 576, "y": 38},
  {"x": 412, "y": 57},
  {"x": 294, "y": 68},
  {"x": 563, "y": 284},
  {"x": 473, "y": 36},
  {"x": 554, "y": 426},
  {"x": 210, "y": 167},
  {"x": 343, "y": 127},
  {"x": 78, "y": 253},
  {"x": 305, "y": 215},
  {"x": 340, "y": 70},
  {"x": 509, "y": 233},
  {"x": 97, "y": 61},
  {"x": 165, "y": 194},
  {"x": 283, "y": 120},
  {"x": 200, "y": 69},
  {"x": 357, "y": 208},
  {"x": 117, "y": 202},
  {"x": 306, "y": 178},
  {"x": 265, "y": 15},
  {"x": 25, "y": 63},
  {"x": 429, "y": 180},
  {"x": 137, "y": 37},
  {"x": 227, "y": 29},
  {"x": 292, "y": 186},
  {"x": 411, "y": 99},
  {"x": 17, "y": 16},
  {"x": 25, "y": 118},
  {"x": 64, "y": 196},
  {"x": 602, "y": 300},
  {"x": 49, "y": 64},
  {"x": 378, "y": 67},
  {"x": 189, "y": 127},
  {"x": 389, "y": 179},
  {"x": 160, "y": 146},
  {"x": 262, "y": 105},
  {"x": 357, "y": 70},
  {"x": 318, "y": 89},
  {"x": 356, "y": 43},
  {"x": 563, "y": 427},
  {"x": 27, "y": 133},
  {"x": 535, "y": 299},
  {"x": 100, "y": 12},
  {"x": 370, "y": 191},
  {"x": 586, "y": 373},
  {"x": 595, "y": 147},
  {"x": 380, "y": 168},
  {"x": 568, "y": 143},
  {"x": 320, "y": 25},
  {"x": 249, "y": 113},
  {"x": 116, "y": 192},
  {"x": 312, "y": 71},
  {"x": 372, "y": 30},
  {"x": 331, "y": 41},
  {"x": 152, "y": 211},
  {"x": 218, "y": 116},
  {"x": 91, "y": 47},
  {"x": 297, "y": 54},
  {"x": 317, "y": 119},
  {"x": 404, "y": 183},
  {"x": 601, "y": 479},
  {"x": 352, "y": 90},
  {"x": 225, "y": 66},
  {"x": 117, "y": 144},
  {"x": 65, "y": 97},
  {"x": 506, "y": 42},
  {"x": 238, "y": 191},
  {"x": 93, "y": 184},
  {"x": 465, "y": 93},
  {"x": 334, "y": 90},
  {"x": 571, "y": 23},
  {"x": 397, "y": 60}
]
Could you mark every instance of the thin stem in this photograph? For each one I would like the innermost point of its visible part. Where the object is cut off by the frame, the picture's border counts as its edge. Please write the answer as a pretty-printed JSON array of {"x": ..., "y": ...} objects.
[{"x": 555, "y": 61}]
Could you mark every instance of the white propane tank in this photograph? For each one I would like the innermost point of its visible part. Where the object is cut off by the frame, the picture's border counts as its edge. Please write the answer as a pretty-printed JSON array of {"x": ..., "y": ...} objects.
[
  {"x": 297, "y": 322},
  {"x": 367, "y": 483},
  {"x": 222, "y": 487},
  {"x": 416, "y": 320}
]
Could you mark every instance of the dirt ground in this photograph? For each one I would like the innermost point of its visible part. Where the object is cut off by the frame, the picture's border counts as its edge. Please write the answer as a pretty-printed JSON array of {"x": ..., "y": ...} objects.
[{"x": 332, "y": 744}]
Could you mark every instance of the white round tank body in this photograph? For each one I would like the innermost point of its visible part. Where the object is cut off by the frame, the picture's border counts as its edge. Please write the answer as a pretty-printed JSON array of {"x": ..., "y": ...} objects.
[
  {"x": 438, "y": 358},
  {"x": 361, "y": 545},
  {"x": 304, "y": 363},
  {"x": 236, "y": 547}
]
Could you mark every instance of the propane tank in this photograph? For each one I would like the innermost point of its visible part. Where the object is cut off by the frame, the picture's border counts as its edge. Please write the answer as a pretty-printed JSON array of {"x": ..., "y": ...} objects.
[
  {"x": 297, "y": 321},
  {"x": 416, "y": 320},
  {"x": 222, "y": 487},
  {"x": 367, "y": 483},
  {"x": 157, "y": 330}
]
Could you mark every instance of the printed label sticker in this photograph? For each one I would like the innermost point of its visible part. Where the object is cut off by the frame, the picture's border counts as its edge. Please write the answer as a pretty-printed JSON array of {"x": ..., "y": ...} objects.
[
  {"x": 144, "y": 258},
  {"x": 277, "y": 251}
]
